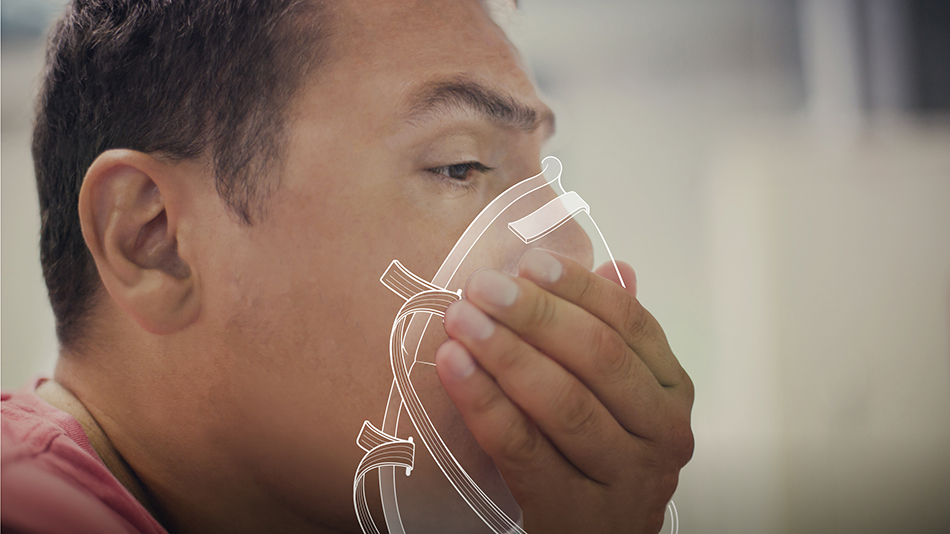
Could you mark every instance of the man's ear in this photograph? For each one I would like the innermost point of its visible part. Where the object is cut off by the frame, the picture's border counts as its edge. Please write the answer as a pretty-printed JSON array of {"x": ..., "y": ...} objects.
[{"x": 133, "y": 211}]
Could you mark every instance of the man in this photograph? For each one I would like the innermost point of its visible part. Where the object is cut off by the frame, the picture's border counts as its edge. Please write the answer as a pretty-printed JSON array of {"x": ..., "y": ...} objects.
[{"x": 241, "y": 173}]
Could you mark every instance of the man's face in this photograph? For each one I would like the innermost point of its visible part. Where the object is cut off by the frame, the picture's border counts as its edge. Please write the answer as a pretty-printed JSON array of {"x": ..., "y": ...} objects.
[{"x": 300, "y": 323}]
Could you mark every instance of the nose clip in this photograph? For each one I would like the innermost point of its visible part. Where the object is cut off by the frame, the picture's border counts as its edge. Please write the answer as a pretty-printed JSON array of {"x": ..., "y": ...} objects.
[{"x": 548, "y": 217}]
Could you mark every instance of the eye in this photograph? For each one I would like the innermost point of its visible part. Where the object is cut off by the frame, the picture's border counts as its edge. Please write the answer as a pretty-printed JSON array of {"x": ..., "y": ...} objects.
[{"x": 460, "y": 172}]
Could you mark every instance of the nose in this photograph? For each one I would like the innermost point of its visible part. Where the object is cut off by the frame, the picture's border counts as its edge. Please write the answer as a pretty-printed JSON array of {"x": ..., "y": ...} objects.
[{"x": 571, "y": 240}]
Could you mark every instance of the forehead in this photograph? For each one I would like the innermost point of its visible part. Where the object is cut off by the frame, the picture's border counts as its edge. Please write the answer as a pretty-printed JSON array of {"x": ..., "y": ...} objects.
[{"x": 404, "y": 44}]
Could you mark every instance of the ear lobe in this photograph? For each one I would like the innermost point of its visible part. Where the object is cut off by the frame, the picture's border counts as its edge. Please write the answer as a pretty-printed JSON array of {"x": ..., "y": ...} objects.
[{"x": 133, "y": 236}]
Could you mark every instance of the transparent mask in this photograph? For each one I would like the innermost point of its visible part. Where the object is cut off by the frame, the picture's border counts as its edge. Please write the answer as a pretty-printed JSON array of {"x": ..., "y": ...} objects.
[{"x": 433, "y": 476}]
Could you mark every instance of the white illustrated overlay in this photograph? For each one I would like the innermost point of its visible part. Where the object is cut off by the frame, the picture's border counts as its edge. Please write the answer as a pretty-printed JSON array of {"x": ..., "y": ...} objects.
[{"x": 423, "y": 300}]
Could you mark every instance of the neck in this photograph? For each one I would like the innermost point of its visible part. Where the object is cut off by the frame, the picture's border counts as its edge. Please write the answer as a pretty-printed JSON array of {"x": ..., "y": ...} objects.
[
  {"x": 61, "y": 398},
  {"x": 161, "y": 456}
]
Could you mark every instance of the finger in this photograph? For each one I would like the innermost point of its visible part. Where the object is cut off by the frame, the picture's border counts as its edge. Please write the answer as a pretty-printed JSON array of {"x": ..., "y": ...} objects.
[
  {"x": 575, "y": 421},
  {"x": 581, "y": 343},
  {"x": 524, "y": 456},
  {"x": 620, "y": 273},
  {"x": 610, "y": 303}
]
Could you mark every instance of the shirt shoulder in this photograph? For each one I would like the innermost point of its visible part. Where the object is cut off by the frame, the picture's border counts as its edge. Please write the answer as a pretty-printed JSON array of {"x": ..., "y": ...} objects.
[{"x": 51, "y": 479}]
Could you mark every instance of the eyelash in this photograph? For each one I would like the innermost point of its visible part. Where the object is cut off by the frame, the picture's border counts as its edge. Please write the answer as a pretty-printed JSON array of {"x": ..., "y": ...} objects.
[{"x": 443, "y": 173}]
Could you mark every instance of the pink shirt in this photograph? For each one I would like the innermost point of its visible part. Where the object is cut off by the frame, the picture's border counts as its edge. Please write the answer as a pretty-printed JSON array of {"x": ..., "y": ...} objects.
[{"x": 52, "y": 480}]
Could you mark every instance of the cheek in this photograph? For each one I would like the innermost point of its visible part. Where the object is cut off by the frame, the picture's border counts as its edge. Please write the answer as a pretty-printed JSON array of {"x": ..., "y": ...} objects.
[
  {"x": 307, "y": 360},
  {"x": 305, "y": 318},
  {"x": 302, "y": 320},
  {"x": 299, "y": 320}
]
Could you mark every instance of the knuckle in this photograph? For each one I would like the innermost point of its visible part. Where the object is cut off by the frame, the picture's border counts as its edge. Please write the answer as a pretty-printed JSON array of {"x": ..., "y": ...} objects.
[
  {"x": 587, "y": 289},
  {"x": 689, "y": 388},
  {"x": 658, "y": 492},
  {"x": 610, "y": 353},
  {"x": 488, "y": 403},
  {"x": 542, "y": 312},
  {"x": 667, "y": 487},
  {"x": 663, "y": 487},
  {"x": 684, "y": 444},
  {"x": 577, "y": 414},
  {"x": 519, "y": 443},
  {"x": 510, "y": 356},
  {"x": 636, "y": 320},
  {"x": 679, "y": 440}
]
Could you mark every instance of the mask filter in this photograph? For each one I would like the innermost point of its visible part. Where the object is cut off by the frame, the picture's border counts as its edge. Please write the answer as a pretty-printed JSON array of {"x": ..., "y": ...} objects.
[{"x": 433, "y": 476}]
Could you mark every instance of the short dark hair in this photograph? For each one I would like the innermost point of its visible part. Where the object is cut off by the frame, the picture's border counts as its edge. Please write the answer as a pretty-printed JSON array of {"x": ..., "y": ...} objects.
[{"x": 180, "y": 79}]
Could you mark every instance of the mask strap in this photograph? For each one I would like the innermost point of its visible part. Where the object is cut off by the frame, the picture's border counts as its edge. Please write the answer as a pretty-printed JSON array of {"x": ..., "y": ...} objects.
[
  {"x": 384, "y": 450},
  {"x": 404, "y": 282}
]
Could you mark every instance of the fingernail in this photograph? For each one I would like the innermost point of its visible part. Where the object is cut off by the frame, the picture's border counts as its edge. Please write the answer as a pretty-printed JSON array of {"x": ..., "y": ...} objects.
[
  {"x": 541, "y": 266},
  {"x": 469, "y": 319},
  {"x": 494, "y": 287},
  {"x": 453, "y": 357}
]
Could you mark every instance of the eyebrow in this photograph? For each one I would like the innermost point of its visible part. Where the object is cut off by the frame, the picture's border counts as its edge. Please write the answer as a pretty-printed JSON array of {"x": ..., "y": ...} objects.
[{"x": 445, "y": 96}]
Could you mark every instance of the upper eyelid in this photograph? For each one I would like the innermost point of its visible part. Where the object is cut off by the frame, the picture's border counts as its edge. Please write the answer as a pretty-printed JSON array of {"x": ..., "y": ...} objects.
[
  {"x": 473, "y": 165},
  {"x": 468, "y": 183}
]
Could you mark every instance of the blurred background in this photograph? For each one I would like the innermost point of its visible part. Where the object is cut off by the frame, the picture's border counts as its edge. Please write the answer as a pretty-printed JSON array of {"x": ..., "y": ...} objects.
[{"x": 778, "y": 173}]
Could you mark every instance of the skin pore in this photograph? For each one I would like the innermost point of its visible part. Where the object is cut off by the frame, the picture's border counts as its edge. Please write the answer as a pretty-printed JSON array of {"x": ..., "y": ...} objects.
[{"x": 232, "y": 366}]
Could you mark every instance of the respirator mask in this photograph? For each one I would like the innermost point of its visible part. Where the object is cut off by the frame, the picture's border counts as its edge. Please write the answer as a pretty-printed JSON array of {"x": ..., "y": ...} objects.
[{"x": 421, "y": 432}]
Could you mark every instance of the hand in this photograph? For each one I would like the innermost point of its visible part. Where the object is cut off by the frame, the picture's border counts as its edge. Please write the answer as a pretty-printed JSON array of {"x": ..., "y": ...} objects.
[{"x": 570, "y": 385}]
